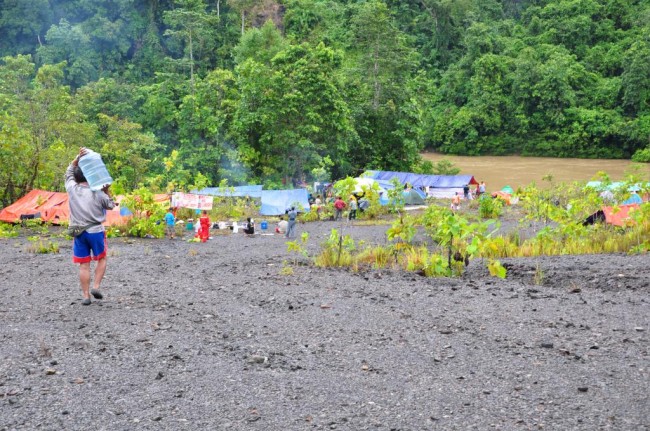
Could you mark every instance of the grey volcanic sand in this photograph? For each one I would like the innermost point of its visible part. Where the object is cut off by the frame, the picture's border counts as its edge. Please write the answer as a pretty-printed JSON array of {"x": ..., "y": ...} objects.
[{"x": 214, "y": 336}]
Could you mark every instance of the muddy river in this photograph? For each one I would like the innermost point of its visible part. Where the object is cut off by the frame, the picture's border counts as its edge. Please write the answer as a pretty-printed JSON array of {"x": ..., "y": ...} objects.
[{"x": 515, "y": 171}]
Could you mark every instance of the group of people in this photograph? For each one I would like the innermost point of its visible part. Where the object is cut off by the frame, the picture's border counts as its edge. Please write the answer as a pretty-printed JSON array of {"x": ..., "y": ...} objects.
[
  {"x": 353, "y": 205},
  {"x": 88, "y": 212},
  {"x": 340, "y": 205},
  {"x": 468, "y": 194},
  {"x": 203, "y": 228}
]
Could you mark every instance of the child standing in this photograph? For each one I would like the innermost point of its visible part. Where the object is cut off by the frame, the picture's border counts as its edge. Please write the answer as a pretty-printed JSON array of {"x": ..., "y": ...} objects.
[
  {"x": 204, "y": 230},
  {"x": 170, "y": 223},
  {"x": 455, "y": 202},
  {"x": 352, "y": 215}
]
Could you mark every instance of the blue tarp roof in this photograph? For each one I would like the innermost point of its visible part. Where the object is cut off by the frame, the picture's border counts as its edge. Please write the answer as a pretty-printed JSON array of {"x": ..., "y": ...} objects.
[
  {"x": 254, "y": 191},
  {"x": 276, "y": 202},
  {"x": 633, "y": 199},
  {"x": 420, "y": 180},
  {"x": 616, "y": 185}
]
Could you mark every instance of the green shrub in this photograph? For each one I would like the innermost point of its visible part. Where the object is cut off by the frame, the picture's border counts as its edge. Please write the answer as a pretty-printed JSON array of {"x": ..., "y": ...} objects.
[
  {"x": 43, "y": 247},
  {"x": 8, "y": 230},
  {"x": 490, "y": 207},
  {"x": 336, "y": 251},
  {"x": 148, "y": 215}
]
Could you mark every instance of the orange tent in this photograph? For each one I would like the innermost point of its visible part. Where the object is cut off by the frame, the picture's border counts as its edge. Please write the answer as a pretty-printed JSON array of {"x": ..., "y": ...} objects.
[
  {"x": 53, "y": 207},
  {"x": 37, "y": 203},
  {"x": 620, "y": 215},
  {"x": 502, "y": 195}
]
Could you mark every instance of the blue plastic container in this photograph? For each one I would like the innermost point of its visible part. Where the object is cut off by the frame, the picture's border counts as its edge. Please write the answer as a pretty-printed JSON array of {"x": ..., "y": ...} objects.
[
  {"x": 264, "y": 225},
  {"x": 95, "y": 171}
]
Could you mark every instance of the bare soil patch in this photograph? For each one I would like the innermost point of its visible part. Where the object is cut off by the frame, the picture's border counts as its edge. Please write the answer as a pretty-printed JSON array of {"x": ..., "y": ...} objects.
[{"x": 213, "y": 336}]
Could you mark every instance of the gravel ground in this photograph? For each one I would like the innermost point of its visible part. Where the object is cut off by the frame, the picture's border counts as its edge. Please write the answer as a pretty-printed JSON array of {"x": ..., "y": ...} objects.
[{"x": 214, "y": 336}]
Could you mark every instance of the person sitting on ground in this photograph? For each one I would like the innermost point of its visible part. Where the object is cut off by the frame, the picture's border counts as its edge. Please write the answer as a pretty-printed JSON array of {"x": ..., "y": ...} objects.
[
  {"x": 282, "y": 226},
  {"x": 249, "y": 228},
  {"x": 364, "y": 204}
]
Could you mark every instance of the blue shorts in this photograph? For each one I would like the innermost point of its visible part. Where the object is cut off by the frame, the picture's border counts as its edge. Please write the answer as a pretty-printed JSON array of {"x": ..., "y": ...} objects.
[{"x": 89, "y": 246}]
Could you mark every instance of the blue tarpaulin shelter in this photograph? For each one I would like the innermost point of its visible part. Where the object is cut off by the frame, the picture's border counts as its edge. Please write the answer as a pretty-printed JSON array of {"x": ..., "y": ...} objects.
[
  {"x": 437, "y": 185},
  {"x": 617, "y": 185},
  {"x": 253, "y": 191},
  {"x": 276, "y": 202},
  {"x": 633, "y": 199}
]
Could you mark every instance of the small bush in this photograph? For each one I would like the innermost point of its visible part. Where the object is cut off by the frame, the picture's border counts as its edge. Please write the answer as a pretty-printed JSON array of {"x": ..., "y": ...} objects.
[
  {"x": 8, "y": 231},
  {"x": 489, "y": 207},
  {"x": 43, "y": 247}
]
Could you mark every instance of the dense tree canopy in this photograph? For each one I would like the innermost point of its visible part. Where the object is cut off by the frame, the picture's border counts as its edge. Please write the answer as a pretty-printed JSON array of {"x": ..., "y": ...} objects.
[{"x": 177, "y": 93}]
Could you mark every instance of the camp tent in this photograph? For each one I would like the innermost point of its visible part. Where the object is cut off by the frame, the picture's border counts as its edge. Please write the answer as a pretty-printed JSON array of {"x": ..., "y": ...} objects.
[
  {"x": 412, "y": 197},
  {"x": 633, "y": 199},
  {"x": 439, "y": 186},
  {"x": 276, "y": 202},
  {"x": 35, "y": 204},
  {"x": 53, "y": 207},
  {"x": 620, "y": 215},
  {"x": 368, "y": 183}
]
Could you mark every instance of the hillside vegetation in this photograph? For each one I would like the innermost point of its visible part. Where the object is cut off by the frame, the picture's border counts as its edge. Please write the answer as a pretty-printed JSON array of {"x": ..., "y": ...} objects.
[{"x": 186, "y": 93}]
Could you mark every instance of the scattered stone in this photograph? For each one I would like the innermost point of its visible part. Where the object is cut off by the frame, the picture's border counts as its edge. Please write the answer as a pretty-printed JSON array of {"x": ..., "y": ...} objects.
[
  {"x": 257, "y": 359},
  {"x": 583, "y": 389},
  {"x": 50, "y": 371},
  {"x": 547, "y": 345},
  {"x": 639, "y": 329}
]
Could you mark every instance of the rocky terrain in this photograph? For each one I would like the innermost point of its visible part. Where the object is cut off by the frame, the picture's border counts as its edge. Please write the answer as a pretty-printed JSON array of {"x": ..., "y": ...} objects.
[{"x": 218, "y": 336}]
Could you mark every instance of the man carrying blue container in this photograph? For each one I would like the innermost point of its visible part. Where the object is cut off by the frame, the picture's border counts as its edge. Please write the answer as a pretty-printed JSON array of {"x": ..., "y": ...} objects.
[{"x": 87, "y": 213}]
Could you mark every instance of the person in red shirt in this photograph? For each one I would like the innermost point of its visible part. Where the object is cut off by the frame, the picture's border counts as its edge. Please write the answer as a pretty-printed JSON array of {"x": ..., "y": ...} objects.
[
  {"x": 339, "y": 206},
  {"x": 204, "y": 230}
]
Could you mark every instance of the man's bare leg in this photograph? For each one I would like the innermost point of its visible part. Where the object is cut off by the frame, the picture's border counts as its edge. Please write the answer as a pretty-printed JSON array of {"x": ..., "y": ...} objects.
[
  {"x": 99, "y": 272},
  {"x": 84, "y": 279}
]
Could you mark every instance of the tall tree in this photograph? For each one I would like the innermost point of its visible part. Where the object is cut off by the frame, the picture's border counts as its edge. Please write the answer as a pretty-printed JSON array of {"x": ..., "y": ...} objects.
[
  {"x": 378, "y": 73},
  {"x": 292, "y": 114},
  {"x": 23, "y": 25},
  {"x": 40, "y": 126},
  {"x": 193, "y": 28}
]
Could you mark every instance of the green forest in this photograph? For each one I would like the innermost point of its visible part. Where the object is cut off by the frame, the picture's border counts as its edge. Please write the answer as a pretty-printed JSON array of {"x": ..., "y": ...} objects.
[{"x": 177, "y": 94}]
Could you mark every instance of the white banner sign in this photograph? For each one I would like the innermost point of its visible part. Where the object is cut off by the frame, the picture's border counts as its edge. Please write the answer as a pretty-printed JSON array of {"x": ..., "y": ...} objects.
[{"x": 188, "y": 200}]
